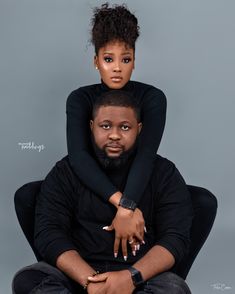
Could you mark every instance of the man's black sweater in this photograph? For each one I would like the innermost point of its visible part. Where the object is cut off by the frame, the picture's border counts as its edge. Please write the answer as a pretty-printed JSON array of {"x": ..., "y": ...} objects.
[{"x": 69, "y": 216}]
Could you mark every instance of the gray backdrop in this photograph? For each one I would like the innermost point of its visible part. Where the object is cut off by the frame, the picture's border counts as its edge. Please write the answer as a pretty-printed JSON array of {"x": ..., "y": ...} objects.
[{"x": 186, "y": 48}]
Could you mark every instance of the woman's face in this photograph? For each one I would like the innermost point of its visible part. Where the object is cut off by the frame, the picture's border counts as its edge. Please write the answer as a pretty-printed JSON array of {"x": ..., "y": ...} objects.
[{"x": 115, "y": 62}]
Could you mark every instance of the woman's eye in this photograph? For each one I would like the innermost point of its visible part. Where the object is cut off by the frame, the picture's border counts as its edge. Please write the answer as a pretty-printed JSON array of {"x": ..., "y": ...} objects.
[
  {"x": 108, "y": 59},
  {"x": 125, "y": 128},
  {"x": 126, "y": 60}
]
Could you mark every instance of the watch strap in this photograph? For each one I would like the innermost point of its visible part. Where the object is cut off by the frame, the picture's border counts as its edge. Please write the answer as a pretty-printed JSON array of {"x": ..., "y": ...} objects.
[
  {"x": 127, "y": 203},
  {"x": 136, "y": 276}
]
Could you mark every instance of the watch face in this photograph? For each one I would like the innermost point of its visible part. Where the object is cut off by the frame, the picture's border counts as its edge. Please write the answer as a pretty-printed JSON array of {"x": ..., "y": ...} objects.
[
  {"x": 127, "y": 203},
  {"x": 138, "y": 280},
  {"x": 136, "y": 277}
]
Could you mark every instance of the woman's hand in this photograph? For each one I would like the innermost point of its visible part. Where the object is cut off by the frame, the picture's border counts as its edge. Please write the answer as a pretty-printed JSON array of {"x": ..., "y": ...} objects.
[{"x": 129, "y": 227}]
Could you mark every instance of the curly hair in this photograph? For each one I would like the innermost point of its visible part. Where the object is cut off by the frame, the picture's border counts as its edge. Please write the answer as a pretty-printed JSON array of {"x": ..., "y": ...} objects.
[{"x": 113, "y": 23}]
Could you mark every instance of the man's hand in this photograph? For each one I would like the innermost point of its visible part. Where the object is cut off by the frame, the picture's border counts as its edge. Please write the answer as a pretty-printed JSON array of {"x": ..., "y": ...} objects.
[
  {"x": 92, "y": 288},
  {"x": 112, "y": 283},
  {"x": 129, "y": 227}
]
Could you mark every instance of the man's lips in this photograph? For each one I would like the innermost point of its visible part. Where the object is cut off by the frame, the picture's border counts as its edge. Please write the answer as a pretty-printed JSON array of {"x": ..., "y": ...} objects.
[{"x": 114, "y": 147}]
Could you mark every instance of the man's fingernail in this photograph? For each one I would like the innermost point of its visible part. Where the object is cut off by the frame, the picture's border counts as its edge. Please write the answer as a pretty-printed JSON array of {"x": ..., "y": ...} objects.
[
  {"x": 115, "y": 255},
  {"x": 125, "y": 258},
  {"x": 105, "y": 228},
  {"x": 134, "y": 253}
]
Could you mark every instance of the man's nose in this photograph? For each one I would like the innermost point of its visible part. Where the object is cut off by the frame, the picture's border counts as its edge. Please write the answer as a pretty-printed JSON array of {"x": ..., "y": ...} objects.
[{"x": 114, "y": 134}]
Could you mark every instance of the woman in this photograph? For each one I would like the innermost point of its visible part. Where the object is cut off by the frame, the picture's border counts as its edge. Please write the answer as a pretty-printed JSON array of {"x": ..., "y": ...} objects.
[{"x": 114, "y": 33}]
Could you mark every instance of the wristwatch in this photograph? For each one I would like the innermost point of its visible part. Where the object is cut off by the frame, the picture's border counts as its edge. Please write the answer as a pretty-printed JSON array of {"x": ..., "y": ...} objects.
[
  {"x": 127, "y": 203},
  {"x": 136, "y": 276}
]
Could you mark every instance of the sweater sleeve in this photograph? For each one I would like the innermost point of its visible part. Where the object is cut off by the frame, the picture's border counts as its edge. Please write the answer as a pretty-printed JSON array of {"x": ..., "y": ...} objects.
[
  {"x": 174, "y": 213},
  {"x": 54, "y": 214},
  {"x": 153, "y": 118},
  {"x": 78, "y": 109}
]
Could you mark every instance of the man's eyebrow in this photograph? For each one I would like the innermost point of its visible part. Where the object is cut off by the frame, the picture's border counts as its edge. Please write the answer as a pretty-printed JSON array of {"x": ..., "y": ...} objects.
[
  {"x": 125, "y": 122},
  {"x": 105, "y": 120}
]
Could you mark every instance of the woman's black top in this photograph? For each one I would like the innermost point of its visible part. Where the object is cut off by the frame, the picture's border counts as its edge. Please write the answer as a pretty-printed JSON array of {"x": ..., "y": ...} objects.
[{"x": 79, "y": 106}]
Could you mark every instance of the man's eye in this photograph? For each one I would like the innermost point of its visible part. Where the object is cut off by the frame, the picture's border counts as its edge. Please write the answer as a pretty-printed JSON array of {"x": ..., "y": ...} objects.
[
  {"x": 125, "y": 128},
  {"x": 108, "y": 59},
  {"x": 105, "y": 127},
  {"x": 126, "y": 60}
]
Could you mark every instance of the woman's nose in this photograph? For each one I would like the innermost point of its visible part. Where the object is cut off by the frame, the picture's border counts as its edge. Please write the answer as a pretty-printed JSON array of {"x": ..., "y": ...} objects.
[{"x": 117, "y": 67}]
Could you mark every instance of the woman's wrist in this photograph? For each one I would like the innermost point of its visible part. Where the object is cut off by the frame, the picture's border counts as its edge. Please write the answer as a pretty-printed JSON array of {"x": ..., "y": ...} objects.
[
  {"x": 127, "y": 203},
  {"x": 115, "y": 198}
]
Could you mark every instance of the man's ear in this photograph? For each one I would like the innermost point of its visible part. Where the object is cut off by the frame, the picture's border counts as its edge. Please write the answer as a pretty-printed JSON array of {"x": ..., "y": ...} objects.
[
  {"x": 139, "y": 127},
  {"x": 91, "y": 125}
]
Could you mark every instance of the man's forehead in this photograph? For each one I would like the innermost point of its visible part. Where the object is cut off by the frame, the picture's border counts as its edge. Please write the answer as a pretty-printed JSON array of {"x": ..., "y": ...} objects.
[{"x": 111, "y": 112}]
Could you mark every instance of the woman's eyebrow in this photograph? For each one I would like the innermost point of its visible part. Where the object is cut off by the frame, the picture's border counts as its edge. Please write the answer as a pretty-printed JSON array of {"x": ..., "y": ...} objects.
[{"x": 110, "y": 53}]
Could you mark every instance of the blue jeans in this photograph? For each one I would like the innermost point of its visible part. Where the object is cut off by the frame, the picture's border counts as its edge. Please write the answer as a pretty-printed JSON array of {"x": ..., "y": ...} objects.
[{"x": 45, "y": 279}]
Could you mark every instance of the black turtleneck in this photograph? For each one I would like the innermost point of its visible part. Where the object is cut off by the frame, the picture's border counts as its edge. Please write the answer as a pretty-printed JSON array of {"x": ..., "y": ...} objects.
[
  {"x": 69, "y": 216},
  {"x": 79, "y": 109}
]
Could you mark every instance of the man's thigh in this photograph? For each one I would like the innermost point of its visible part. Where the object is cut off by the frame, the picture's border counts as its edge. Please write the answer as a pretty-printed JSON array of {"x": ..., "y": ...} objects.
[
  {"x": 43, "y": 278},
  {"x": 165, "y": 283}
]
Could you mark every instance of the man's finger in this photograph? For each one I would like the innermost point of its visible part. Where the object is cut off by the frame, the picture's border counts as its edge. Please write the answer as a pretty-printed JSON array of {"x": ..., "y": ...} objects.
[{"x": 98, "y": 278}]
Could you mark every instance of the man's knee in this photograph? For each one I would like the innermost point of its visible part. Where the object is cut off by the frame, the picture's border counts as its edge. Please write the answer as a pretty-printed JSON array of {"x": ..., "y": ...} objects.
[
  {"x": 40, "y": 276},
  {"x": 26, "y": 280},
  {"x": 168, "y": 282}
]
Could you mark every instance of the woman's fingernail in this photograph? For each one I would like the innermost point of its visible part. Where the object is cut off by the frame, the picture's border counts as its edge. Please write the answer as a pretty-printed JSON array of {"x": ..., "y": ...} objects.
[
  {"x": 145, "y": 229},
  {"x": 115, "y": 255},
  {"x": 138, "y": 247},
  {"x": 134, "y": 253},
  {"x": 125, "y": 258},
  {"x": 143, "y": 242},
  {"x": 105, "y": 228}
]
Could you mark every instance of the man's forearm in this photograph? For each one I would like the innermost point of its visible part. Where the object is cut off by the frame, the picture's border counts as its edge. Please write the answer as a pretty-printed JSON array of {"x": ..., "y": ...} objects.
[
  {"x": 157, "y": 260},
  {"x": 74, "y": 266}
]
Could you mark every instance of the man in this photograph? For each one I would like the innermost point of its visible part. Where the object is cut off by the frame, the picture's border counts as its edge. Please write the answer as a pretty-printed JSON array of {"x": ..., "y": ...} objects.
[{"x": 70, "y": 219}]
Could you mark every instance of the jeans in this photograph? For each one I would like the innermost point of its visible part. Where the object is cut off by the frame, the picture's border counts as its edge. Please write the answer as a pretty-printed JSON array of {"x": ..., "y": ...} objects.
[{"x": 42, "y": 278}]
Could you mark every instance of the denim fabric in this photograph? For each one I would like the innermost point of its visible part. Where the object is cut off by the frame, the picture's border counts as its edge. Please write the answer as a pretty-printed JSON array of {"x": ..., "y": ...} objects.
[{"x": 43, "y": 278}]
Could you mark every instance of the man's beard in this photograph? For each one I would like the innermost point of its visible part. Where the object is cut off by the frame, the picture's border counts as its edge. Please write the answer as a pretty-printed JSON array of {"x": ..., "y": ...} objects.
[{"x": 113, "y": 162}]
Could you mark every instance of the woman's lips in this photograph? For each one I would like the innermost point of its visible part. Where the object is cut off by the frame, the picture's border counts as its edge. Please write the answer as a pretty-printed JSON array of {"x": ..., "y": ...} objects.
[{"x": 116, "y": 79}]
